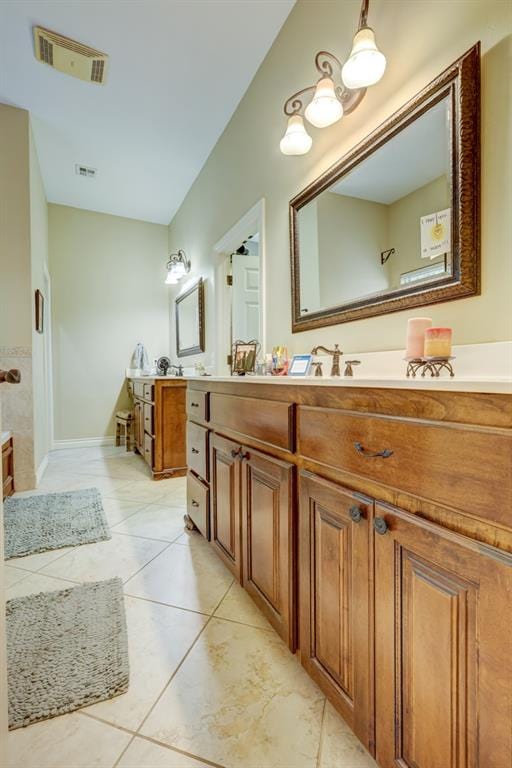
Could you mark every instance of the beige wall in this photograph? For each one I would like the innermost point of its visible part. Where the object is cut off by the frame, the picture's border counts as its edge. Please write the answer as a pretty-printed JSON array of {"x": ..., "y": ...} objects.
[
  {"x": 23, "y": 252},
  {"x": 351, "y": 235},
  {"x": 404, "y": 225},
  {"x": 419, "y": 39},
  {"x": 15, "y": 263},
  {"x": 108, "y": 293}
]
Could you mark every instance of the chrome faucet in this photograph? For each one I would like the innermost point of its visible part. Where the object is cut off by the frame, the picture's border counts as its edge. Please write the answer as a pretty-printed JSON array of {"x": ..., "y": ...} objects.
[
  {"x": 336, "y": 354},
  {"x": 178, "y": 369}
]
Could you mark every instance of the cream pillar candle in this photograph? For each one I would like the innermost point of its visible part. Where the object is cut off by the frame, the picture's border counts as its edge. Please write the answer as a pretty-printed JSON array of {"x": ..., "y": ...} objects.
[
  {"x": 438, "y": 342},
  {"x": 416, "y": 328}
]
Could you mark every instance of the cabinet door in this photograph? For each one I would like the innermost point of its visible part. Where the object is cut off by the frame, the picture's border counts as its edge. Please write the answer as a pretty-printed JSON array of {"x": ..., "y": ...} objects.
[
  {"x": 225, "y": 502},
  {"x": 267, "y": 536},
  {"x": 138, "y": 426},
  {"x": 335, "y": 588},
  {"x": 443, "y": 663}
]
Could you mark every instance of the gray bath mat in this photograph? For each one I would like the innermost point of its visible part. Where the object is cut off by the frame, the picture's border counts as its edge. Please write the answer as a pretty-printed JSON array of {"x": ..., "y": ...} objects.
[
  {"x": 53, "y": 520},
  {"x": 65, "y": 650}
]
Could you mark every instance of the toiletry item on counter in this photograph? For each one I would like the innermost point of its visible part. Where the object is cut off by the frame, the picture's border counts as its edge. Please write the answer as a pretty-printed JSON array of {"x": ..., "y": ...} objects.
[
  {"x": 416, "y": 328},
  {"x": 140, "y": 359},
  {"x": 268, "y": 364},
  {"x": 279, "y": 361},
  {"x": 438, "y": 342}
]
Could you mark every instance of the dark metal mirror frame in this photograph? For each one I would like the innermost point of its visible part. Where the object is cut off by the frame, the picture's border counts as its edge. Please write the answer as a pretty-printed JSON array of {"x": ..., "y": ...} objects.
[
  {"x": 199, "y": 287},
  {"x": 461, "y": 83}
]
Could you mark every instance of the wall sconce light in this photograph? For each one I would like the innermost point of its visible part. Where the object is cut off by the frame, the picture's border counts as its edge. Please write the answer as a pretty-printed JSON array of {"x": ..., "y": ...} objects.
[
  {"x": 339, "y": 90},
  {"x": 177, "y": 267}
]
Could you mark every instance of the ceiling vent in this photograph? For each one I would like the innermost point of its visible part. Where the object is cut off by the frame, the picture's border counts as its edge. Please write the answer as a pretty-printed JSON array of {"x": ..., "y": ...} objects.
[
  {"x": 83, "y": 170},
  {"x": 69, "y": 56}
]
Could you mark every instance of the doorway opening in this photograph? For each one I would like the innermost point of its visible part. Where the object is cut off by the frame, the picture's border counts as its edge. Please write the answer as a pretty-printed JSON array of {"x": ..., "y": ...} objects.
[{"x": 240, "y": 286}]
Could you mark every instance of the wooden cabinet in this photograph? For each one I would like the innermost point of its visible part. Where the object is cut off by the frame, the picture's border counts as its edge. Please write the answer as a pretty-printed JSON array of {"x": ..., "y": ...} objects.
[
  {"x": 443, "y": 647},
  {"x": 268, "y": 530},
  {"x": 160, "y": 425},
  {"x": 395, "y": 565},
  {"x": 7, "y": 468},
  {"x": 225, "y": 502},
  {"x": 335, "y": 594}
]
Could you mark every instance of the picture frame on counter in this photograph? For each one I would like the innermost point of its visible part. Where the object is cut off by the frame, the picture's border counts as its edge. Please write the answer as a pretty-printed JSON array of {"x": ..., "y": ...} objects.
[
  {"x": 244, "y": 357},
  {"x": 300, "y": 365}
]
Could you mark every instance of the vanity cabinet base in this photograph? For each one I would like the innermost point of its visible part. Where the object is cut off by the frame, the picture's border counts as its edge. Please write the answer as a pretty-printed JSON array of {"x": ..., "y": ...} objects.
[
  {"x": 160, "y": 425},
  {"x": 364, "y": 526}
]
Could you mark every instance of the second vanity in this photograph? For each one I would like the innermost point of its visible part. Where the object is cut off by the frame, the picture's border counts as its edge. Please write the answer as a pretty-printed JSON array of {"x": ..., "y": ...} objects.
[{"x": 373, "y": 528}]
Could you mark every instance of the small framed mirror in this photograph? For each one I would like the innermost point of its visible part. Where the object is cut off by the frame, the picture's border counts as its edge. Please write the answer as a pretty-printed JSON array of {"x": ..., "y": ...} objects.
[
  {"x": 190, "y": 320},
  {"x": 394, "y": 224}
]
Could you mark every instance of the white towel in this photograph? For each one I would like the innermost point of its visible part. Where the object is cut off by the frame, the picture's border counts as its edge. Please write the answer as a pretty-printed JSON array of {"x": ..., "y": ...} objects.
[{"x": 140, "y": 357}]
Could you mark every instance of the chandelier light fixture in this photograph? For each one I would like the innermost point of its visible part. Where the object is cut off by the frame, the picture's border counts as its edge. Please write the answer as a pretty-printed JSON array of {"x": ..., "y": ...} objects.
[
  {"x": 177, "y": 267},
  {"x": 340, "y": 89}
]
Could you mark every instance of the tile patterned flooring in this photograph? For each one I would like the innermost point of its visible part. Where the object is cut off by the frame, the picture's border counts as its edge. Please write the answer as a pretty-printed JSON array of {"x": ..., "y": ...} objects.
[{"x": 211, "y": 684}]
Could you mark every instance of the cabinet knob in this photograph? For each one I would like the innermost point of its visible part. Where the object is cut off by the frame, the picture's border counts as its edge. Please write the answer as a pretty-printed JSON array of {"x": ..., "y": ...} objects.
[
  {"x": 380, "y": 525},
  {"x": 236, "y": 454},
  {"x": 243, "y": 455},
  {"x": 355, "y": 514},
  {"x": 195, "y": 503}
]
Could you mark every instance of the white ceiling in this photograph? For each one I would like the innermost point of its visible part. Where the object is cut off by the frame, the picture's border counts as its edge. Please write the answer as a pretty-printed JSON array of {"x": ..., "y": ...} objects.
[
  {"x": 177, "y": 72},
  {"x": 414, "y": 157}
]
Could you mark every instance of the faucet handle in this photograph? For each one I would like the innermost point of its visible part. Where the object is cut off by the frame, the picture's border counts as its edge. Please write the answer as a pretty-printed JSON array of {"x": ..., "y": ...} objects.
[
  {"x": 318, "y": 369},
  {"x": 348, "y": 367}
]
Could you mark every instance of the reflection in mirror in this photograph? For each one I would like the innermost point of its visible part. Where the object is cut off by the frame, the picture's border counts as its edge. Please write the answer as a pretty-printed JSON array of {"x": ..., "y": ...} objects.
[
  {"x": 190, "y": 320},
  {"x": 384, "y": 225}
]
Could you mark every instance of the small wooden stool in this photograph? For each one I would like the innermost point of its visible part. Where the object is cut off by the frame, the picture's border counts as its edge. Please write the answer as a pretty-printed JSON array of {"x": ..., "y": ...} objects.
[{"x": 124, "y": 420}]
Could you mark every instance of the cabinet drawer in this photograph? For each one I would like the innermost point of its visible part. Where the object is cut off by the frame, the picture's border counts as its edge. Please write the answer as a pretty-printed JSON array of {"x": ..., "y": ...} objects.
[
  {"x": 197, "y": 449},
  {"x": 148, "y": 392},
  {"x": 149, "y": 418},
  {"x": 197, "y": 405},
  {"x": 467, "y": 468},
  {"x": 269, "y": 421},
  {"x": 143, "y": 389},
  {"x": 148, "y": 449},
  {"x": 198, "y": 505}
]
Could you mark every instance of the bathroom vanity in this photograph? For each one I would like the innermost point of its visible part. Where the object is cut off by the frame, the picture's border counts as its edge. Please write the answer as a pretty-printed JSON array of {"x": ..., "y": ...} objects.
[
  {"x": 373, "y": 528},
  {"x": 159, "y": 423}
]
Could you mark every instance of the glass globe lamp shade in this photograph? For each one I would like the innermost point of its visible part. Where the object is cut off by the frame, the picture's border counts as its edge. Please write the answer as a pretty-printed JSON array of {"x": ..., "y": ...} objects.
[
  {"x": 324, "y": 108},
  {"x": 366, "y": 64},
  {"x": 296, "y": 140}
]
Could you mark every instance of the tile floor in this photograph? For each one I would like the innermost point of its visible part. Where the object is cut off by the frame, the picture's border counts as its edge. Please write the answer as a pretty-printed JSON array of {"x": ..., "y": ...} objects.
[{"x": 211, "y": 684}]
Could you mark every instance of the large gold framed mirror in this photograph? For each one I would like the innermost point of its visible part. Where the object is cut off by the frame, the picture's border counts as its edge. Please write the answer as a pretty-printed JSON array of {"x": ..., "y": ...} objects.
[{"x": 394, "y": 224}]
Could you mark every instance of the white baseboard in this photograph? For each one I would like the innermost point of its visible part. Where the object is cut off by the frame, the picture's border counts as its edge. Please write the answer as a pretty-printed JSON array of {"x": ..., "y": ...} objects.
[
  {"x": 41, "y": 470},
  {"x": 84, "y": 442}
]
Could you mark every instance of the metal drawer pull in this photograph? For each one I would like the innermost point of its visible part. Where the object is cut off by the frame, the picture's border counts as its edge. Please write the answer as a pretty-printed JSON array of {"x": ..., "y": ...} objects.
[
  {"x": 194, "y": 450},
  {"x": 385, "y": 454},
  {"x": 236, "y": 454},
  {"x": 380, "y": 525},
  {"x": 194, "y": 405},
  {"x": 195, "y": 503},
  {"x": 355, "y": 514}
]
